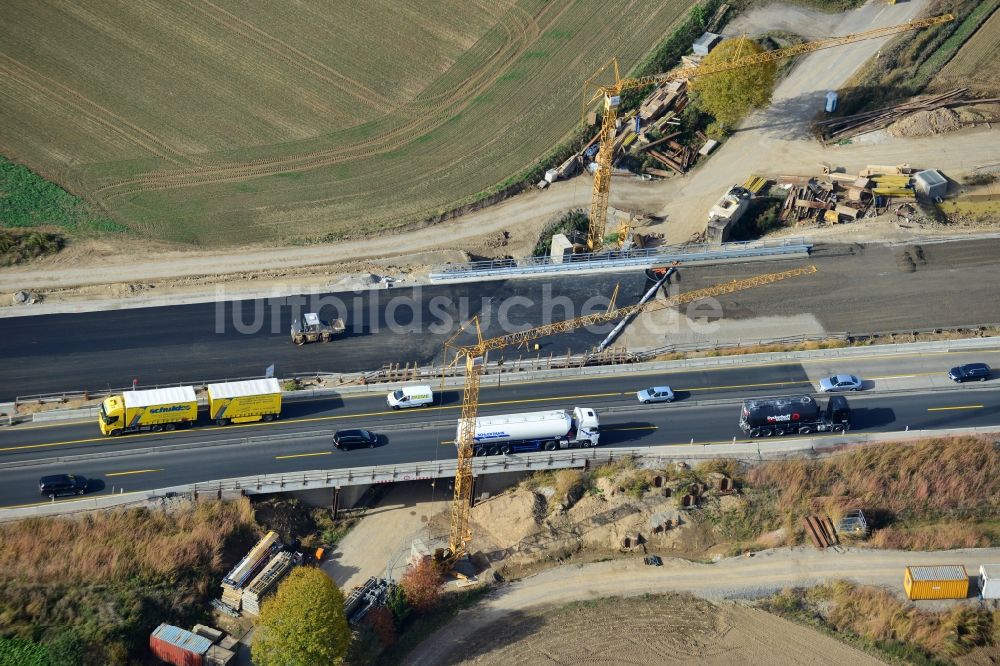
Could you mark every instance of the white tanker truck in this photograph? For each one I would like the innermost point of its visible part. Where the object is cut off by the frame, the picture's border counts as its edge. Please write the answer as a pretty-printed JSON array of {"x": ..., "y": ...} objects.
[{"x": 535, "y": 431}]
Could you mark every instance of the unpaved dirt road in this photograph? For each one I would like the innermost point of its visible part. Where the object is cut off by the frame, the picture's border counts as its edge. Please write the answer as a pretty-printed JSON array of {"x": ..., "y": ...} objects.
[{"x": 764, "y": 573}]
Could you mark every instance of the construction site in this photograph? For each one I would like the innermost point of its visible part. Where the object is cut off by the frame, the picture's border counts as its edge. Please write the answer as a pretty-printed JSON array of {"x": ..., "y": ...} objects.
[{"x": 753, "y": 519}]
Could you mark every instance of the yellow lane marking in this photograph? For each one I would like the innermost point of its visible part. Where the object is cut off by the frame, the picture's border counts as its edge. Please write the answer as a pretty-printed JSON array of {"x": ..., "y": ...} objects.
[
  {"x": 346, "y": 396},
  {"x": 944, "y": 409},
  {"x": 304, "y": 455},
  {"x": 67, "y": 501},
  {"x": 136, "y": 471}
]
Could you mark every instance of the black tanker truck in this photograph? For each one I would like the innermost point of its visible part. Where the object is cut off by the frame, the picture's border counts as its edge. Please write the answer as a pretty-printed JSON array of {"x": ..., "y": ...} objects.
[{"x": 794, "y": 415}]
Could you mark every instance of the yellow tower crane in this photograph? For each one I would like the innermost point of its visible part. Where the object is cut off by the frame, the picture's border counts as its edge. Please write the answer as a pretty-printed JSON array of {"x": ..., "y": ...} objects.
[
  {"x": 611, "y": 96},
  {"x": 462, "y": 502}
]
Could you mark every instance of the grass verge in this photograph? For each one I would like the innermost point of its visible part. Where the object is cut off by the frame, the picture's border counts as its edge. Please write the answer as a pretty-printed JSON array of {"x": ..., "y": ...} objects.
[
  {"x": 107, "y": 579},
  {"x": 28, "y": 200},
  {"x": 874, "y": 619}
]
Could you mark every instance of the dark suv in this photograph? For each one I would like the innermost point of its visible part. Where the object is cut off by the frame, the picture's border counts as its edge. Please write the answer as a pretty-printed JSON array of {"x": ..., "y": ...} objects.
[
  {"x": 355, "y": 439},
  {"x": 62, "y": 484},
  {"x": 970, "y": 372}
]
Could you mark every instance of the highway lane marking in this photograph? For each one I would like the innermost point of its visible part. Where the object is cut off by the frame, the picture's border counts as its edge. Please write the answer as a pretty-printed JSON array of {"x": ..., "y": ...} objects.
[
  {"x": 69, "y": 501},
  {"x": 304, "y": 455},
  {"x": 425, "y": 409},
  {"x": 944, "y": 409},
  {"x": 925, "y": 374},
  {"x": 135, "y": 471},
  {"x": 793, "y": 362}
]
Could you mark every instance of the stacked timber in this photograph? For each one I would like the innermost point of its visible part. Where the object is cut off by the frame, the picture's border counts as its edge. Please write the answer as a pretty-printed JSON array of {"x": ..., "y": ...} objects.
[
  {"x": 266, "y": 581},
  {"x": 835, "y": 129},
  {"x": 247, "y": 569}
]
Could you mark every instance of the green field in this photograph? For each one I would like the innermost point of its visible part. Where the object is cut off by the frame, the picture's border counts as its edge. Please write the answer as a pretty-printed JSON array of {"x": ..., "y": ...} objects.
[{"x": 216, "y": 122}]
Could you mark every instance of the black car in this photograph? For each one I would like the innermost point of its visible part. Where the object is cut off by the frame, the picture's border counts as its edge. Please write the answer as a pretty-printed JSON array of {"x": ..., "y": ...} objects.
[
  {"x": 355, "y": 439},
  {"x": 62, "y": 484},
  {"x": 970, "y": 372}
]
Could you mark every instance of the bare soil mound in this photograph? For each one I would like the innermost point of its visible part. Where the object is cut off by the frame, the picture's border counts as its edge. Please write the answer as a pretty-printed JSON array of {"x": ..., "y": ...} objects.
[
  {"x": 668, "y": 629},
  {"x": 940, "y": 121}
]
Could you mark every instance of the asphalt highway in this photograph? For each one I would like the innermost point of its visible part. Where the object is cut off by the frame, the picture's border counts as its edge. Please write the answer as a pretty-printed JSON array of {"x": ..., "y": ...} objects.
[
  {"x": 859, "y": 288},
  {"x": 424, "y": 434}
]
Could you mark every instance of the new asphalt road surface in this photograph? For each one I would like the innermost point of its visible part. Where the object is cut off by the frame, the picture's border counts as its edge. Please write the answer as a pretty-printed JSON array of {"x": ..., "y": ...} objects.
[
  {"x": 859, "y": 288},
  {"x": 706, "y": 412}
]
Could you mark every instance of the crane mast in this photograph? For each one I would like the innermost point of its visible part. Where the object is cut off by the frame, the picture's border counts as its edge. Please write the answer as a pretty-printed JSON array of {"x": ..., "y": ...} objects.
[
  {"x": 611, "y": 94},
  {"x": 473, "y": 354}
]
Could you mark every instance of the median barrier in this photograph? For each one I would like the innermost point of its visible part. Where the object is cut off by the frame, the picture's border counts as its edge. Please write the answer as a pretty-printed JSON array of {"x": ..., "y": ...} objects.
[{"x": 508, "y": 377}]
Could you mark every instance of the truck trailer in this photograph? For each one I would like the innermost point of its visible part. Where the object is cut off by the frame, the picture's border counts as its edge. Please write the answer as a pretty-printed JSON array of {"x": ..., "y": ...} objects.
[
  {"x": 244, "y": 402},
  {"x": 793, "y": 415},
  {"x": 155, "y": 410},
  {"x": 535, "y": 431}
]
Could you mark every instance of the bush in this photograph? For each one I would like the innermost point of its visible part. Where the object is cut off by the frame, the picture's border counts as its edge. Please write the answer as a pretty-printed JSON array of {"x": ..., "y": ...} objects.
[
  {"x": 974, "y": 179},
  {"x": 18, "y": 247},
  {"x": 122, "y": 573},
  {"x": 16, "y": 652},
  {"x": 573, "y": 223},
  {"x": 422, "y": 585}
]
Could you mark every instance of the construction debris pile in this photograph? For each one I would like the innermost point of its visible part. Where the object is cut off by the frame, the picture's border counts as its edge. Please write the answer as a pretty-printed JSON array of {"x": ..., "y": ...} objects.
[
  {"x": 658, "y": 112},
  {"x": 375, "y": 592},
  {"x": 837, "y": 129},
  {"x": 840, "y": 197},
  {"x": 257, "y": 574}
]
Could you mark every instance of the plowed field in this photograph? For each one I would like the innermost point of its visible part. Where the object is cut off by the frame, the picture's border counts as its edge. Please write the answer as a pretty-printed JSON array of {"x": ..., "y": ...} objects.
[
  {"x": 219, "y": 122},
  {"x": 974, "y": 66},
  {"x": 671, "y": 629}
]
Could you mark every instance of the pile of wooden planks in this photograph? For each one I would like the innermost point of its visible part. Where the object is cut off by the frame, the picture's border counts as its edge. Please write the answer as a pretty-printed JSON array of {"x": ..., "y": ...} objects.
[
  {"x": 821, "y": 531},
  {"x": 678, "y": 157},
  {"x": 836, "y": 129},
  {"x": 840, "y": 197}
]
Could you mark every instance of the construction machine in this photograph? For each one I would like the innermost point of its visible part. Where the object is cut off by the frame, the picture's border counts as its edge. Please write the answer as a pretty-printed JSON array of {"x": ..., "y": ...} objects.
[
  {"x": 473, "y": 356},
  {"x": 610, "y": 96},
  {"x": 313, "y": 329}
]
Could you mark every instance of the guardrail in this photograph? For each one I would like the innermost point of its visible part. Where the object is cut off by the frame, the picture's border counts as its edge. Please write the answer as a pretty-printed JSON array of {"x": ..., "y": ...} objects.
[
  {"x": 522, "y": 369},
  {"x": 752, "y": 451},
  {"x": 659, "y": 256}
]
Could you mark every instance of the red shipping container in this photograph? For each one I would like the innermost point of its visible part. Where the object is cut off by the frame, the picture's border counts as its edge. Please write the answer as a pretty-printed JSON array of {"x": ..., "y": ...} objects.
[{"x": 177, "y": 646}]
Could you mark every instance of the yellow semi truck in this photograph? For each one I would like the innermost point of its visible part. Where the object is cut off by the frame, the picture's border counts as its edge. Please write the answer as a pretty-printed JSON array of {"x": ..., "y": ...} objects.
[
  {"x": 157, "y": 410},
  {"x": 154, "y": 410},
  {"x": 244, "y": 402}
]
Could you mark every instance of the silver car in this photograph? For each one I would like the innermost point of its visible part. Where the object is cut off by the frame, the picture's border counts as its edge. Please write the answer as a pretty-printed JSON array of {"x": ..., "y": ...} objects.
[
  {"x": 840, "y": 383},
  {"x": 655, "y": 394}
]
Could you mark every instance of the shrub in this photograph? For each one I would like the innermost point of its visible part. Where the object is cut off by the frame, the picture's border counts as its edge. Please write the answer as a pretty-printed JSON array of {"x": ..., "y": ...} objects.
[
  {"x": 118, "y": 575},
  {"x": 422, "y": 584},
  {"x": 974, "y": 179},
  {"x": 573, "y": 223}
]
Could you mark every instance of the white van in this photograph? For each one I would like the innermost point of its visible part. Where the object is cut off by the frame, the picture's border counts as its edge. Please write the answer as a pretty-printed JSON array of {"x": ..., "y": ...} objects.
[{"x": 410, "y": 396}]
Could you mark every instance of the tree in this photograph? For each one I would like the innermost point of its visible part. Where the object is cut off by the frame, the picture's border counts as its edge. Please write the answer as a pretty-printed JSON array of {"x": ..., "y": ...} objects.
[
  {"x": 728, "y": 96},
  {"x": 383, "y": 624},
  {"x": 422, "y": 584},
  {"x": 303, "y": 624}
]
